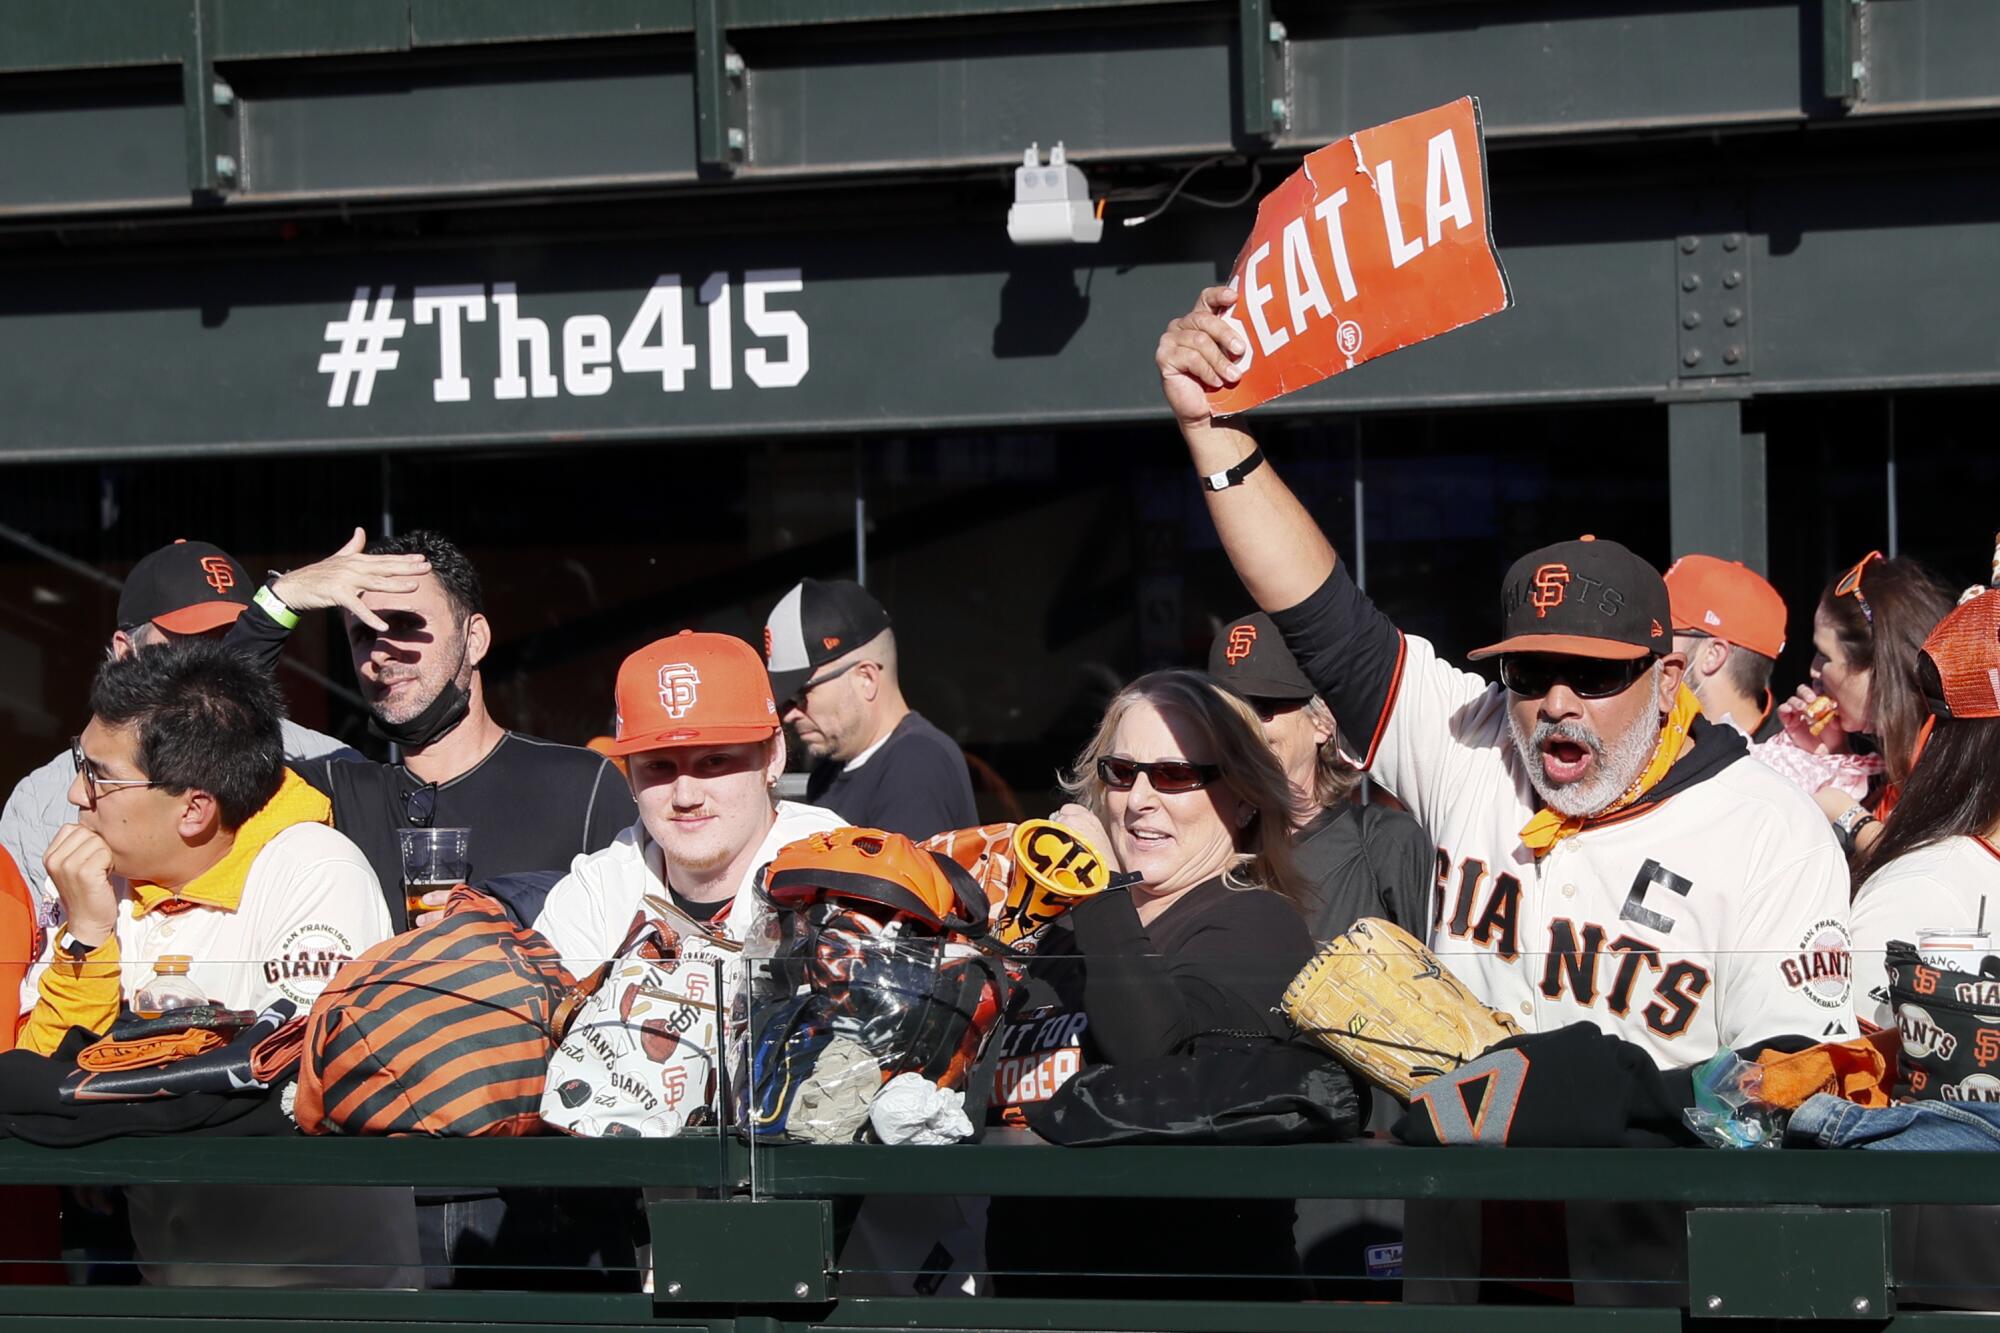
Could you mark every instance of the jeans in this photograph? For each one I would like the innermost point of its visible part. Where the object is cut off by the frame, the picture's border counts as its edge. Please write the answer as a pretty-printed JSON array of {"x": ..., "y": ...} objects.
[{"x": 1826, "y": 1121}]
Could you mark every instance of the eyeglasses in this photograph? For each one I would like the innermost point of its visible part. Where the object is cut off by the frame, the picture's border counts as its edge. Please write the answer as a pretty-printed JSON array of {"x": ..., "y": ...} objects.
[
  {"x": 94, "y": 784},
  {"x": 1850, "y": 585},
  {"x": 1166, "y": 775},
  {"x": 1532, "y": 675},
  {"x": 420, "y": 805},
  {"x": 797, "y": 700}
]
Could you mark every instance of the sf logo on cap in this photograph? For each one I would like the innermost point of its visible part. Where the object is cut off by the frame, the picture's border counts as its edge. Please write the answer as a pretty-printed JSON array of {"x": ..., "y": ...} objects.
[
  {"x": 1240, "y": 640},
  {"x": 218, "y": 573},
  {"x": 677, "y": 688},
  {"x": 1551, "y": 584}
]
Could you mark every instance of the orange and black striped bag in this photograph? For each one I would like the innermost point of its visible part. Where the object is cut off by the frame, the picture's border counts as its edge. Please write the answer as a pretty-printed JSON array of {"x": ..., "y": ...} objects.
[{"x": 443, "y": 1030}]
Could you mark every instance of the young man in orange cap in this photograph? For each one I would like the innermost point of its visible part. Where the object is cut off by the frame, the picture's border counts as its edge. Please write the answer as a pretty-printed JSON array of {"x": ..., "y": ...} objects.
[
  {"x": 699, "y": 732},
  {"x": 1729, "y": 623}
]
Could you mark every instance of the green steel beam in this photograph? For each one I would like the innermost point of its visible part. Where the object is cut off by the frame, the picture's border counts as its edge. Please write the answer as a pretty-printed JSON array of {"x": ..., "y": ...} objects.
[
  {"x": 435, "y": 99},
  {"x": 218, "y": 348},
  {"x": 1837, "y": 49},
  {"x": 721, "y": 138},
  {"x": 1716, "y": 482},
  {"x": 1260, "y": 39},
  {"x": 104, "y": 34},
  {"x": 208, "y": 106}
]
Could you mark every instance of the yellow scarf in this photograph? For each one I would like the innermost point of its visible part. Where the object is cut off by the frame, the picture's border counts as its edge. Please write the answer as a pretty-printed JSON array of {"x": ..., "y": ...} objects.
[
  {"x": 1550, "y": 827},
  {"x": 221, "y": 885}
]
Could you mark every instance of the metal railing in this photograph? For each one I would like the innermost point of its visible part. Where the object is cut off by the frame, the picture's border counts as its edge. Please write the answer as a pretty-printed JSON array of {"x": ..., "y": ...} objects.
[{"x": 1792, "y": 1235}]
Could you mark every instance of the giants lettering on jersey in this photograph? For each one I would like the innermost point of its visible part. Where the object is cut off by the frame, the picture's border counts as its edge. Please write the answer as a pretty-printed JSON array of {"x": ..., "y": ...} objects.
[
  {"x": 1576, "y": 954},
  {"x": 1584, "y": 962},
  {"x": 1497, "y": 898}
]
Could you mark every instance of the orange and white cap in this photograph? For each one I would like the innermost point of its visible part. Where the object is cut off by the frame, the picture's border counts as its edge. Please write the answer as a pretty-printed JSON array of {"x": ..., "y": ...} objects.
[
  {"x": 1727, "y": 600},
  {"x": 692, "y": 689}
]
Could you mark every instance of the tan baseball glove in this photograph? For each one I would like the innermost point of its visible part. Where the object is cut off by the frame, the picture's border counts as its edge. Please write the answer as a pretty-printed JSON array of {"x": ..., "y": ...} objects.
[{"x": 1383, "y": 1003}]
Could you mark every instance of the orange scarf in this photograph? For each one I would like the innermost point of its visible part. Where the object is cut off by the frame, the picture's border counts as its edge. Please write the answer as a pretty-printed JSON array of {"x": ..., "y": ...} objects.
[{"x": 1550, "y": 827}]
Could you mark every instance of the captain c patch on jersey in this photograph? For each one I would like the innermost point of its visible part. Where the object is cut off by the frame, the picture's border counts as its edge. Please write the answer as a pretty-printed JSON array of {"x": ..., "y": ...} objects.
[{"x": 1821, "y": 966}]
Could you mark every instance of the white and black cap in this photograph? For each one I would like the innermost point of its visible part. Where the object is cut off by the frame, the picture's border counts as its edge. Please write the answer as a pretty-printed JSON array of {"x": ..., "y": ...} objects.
[{"x": 814, "y": 623}]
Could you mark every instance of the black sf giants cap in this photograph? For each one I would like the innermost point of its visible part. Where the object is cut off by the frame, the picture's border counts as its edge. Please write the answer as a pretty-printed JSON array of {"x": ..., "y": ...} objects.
[
  {"x": 1585, "y": 598},
  {"x": 1250, "y": 657},
  {"x": 813, "y": 624},
  {"x": 186, "y": 588}
]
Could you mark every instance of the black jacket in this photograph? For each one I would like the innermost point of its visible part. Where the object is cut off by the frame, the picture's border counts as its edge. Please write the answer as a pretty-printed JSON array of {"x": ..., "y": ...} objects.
[{"x": 1365, "y": 860}]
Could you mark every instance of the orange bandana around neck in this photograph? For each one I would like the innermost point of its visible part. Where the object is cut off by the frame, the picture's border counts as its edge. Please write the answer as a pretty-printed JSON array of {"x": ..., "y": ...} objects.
[
  {"x": 1550, "y": 827},
  {"x": 221, "y": 885}
]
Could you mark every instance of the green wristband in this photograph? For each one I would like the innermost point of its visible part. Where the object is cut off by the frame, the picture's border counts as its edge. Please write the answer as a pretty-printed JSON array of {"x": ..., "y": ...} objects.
[{"x": 274, "y": 607}]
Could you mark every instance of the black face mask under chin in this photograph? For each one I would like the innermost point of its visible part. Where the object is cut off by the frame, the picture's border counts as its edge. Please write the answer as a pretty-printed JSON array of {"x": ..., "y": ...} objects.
[{"x": 446, "y": 711}]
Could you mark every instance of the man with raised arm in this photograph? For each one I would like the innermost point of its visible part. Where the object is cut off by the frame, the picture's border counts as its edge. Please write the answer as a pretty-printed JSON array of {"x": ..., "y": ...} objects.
[{"x": 1605, "y": 854}]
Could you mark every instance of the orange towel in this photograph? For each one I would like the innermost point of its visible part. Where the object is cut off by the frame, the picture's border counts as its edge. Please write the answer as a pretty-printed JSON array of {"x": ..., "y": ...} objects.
[
  {"x": 278, "y": 1054},
  {"x": 147, "y": 1051},
  {"x": 1858, "y": 1071}
]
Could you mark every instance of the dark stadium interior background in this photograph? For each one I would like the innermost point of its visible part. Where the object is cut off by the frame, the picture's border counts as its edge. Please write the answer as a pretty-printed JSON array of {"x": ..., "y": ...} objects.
[{"x": 1030, "y": 573}]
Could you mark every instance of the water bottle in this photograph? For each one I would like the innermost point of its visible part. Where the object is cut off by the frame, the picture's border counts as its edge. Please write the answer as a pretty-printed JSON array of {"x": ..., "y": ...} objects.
[{"x": 170, "y": 988}]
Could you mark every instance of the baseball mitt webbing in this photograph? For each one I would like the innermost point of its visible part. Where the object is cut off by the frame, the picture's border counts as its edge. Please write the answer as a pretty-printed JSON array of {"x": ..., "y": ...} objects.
[{"x": 1384, "y": 1004}]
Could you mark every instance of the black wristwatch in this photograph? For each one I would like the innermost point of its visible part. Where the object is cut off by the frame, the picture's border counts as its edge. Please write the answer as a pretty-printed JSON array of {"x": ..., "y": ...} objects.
[
  {"x": 1222, "y": 481},
  {"x": 1848, "y": 827},
  {"x": 74, "y": 948}
]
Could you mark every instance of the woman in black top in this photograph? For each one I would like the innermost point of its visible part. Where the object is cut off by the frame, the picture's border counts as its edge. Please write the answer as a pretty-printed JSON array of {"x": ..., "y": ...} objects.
[{"x": 1179, "y": 786}]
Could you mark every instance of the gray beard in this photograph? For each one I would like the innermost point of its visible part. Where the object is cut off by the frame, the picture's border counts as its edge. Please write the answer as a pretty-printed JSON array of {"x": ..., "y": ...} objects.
[{"x": 1615, "y": 767}]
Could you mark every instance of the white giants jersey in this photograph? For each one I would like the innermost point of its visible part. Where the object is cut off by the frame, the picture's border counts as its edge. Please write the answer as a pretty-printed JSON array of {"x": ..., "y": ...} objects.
[{"x": 1711, "y": 918}]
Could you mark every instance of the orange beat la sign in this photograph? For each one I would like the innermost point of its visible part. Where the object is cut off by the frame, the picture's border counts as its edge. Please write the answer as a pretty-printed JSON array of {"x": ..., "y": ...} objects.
[{"x": 1379, "y": 240}]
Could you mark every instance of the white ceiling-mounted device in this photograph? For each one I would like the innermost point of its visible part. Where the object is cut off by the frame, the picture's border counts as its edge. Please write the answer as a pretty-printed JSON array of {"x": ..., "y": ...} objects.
[{"x": 1052, "y": 204}]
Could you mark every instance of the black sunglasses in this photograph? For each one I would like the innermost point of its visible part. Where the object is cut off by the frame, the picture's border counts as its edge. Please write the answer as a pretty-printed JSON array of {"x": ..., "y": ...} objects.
[
  {"x": 1266, "y": 709},
  {"x": 798, "y": 700},
  {"x": 1166, "y": 775},
  {"x": 1532, "y": 675},
  {"x": 420, "y": 805}
]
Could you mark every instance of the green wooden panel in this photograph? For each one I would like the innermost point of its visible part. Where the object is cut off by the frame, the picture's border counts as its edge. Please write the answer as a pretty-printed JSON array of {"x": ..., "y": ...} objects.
[
  {"x": 1789, "y": 1263},
  {"x": 731, "y": 1252},
  {"x": 37, "y": 34},
  {"x": 270, "y": 29},
  {"x": 471, "y": 22}
]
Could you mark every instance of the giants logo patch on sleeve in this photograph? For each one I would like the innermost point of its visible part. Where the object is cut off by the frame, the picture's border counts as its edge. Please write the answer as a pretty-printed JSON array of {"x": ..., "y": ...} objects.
[
  {"x": 306, "y": 961},
  {"x": 1821, "y": 967}
]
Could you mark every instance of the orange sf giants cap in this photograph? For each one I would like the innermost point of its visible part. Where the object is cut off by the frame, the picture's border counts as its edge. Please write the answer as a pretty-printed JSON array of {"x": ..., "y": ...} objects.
[
  {"x": 692, "y": 689},
  {"x": 1960, "y": 667},
  {"x": 1726, "y": 600}
]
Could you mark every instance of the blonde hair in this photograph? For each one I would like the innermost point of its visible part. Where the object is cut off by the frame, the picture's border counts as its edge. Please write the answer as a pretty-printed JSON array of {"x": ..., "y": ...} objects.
[
  {"x": 1334, "y": 779},
  {"x": 1227, "y": 728}
]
